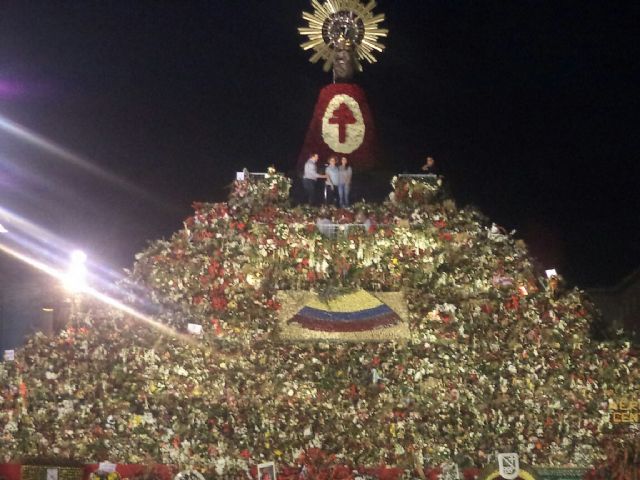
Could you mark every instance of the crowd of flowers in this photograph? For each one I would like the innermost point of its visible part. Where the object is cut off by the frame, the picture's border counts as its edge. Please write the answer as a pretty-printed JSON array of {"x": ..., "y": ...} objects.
[{"x": 499, "y": 359}]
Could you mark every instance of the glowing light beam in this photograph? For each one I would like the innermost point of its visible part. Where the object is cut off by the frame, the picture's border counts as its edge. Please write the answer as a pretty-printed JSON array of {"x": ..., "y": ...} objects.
[
  {"x": 93, "y": 293},
  {"x": 70, "y": 157},
  {"x": 76, "y": 278}
]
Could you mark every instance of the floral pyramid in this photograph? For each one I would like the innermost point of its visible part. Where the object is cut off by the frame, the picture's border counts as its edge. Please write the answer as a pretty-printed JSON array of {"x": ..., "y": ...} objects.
[{"x": 497, "y": 360}]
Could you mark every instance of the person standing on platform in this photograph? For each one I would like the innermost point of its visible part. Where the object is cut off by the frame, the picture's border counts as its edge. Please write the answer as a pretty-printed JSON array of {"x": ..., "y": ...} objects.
[
  {"x": 344, "y": 185},
  {"x": 429, "y": 166},
  {"x": 333, "y": 180},
  {"x": 310, "y": 177}
]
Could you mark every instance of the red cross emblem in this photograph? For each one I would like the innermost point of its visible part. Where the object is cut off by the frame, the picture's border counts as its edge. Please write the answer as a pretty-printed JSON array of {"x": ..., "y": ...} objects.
[{"x": 342, "y": 116}]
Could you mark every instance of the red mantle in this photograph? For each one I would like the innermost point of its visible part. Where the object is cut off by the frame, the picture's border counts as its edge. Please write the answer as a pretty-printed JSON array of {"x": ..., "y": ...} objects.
[{"x": 364, "y": 157}]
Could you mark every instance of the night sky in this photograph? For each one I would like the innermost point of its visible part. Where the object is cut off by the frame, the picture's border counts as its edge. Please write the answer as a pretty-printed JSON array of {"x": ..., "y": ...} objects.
[{"x": 529, "y": 107}]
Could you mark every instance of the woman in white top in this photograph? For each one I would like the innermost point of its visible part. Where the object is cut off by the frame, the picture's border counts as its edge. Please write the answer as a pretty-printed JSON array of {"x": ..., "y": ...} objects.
[{"x": 344, "y": 184}]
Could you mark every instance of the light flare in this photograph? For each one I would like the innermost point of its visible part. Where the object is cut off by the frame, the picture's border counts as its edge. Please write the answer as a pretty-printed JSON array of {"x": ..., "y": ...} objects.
[
  {"x": 95, "y": 294},
  {"x": 43, "y": 143}
]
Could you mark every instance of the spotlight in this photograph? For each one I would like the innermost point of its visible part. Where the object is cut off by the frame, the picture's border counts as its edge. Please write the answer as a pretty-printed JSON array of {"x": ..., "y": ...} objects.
[
  {"x": 78, "y": 257},
  {"x": 2, "y": 229},
  {"x": 76, "y": 278}
]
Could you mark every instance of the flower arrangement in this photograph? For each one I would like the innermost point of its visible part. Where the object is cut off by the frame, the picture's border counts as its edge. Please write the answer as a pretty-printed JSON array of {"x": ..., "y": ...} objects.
[
  {"x": 487, "y": 366},
  {"x": 271, "y": 189},
  {"x": 412, "y": 192}
]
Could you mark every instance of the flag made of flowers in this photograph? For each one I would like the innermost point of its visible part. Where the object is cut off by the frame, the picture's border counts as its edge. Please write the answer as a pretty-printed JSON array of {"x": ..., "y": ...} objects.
[{"x": 354, "y": 316}]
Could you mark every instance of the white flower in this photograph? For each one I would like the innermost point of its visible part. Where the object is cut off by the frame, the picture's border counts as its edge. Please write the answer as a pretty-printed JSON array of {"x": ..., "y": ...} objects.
[
  {"x": 221, "y": 464},
  {"x": 11, "y": 427},
  {"x": 180, "y": 370}
]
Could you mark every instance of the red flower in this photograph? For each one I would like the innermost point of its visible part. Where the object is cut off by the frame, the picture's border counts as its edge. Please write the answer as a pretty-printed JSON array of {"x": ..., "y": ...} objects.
[
  {"x": 214, "y": 268},
  {"x": 353, "y": 392},
  {"x": 197, "y": 299},
  {"x": 513, "y": 303},
  {"x": 273, "y": 304},
  {"x": 440, "y": 224},
  {"x": 23, "y": 390},
  {"x": 216, "y": 327},
  {"x": 218, "y": 303},
  {"x": 245, "y": 454}
]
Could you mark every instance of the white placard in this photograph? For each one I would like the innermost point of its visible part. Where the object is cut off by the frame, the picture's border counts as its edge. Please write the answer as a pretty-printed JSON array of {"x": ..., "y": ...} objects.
[
  {"x": 194, "y": 328},
  {"x": 267, "y": 471},
  {"x": 52, "y": 474},
  {"x": 551, "y": 273},
  {"x": 9, "y": 355},
  {"x": 509, "y": 465},
  {"x": 240, "y": 176},
  {"x": 450, "y": 471},
  {"x": 107, "y": 467}
]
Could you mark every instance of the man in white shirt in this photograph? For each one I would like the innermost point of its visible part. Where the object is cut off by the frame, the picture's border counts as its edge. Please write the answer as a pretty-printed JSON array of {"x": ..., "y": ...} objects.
[{"x": 310, "y": 176}]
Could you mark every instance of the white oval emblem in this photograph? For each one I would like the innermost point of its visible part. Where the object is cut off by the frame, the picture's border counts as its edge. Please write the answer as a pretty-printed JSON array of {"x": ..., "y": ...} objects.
[{"x": 343, "y": 127}]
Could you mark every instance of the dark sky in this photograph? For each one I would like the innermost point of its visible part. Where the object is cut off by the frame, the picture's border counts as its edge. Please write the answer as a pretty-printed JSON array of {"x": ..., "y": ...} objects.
[{"x": 530, "y": 108}]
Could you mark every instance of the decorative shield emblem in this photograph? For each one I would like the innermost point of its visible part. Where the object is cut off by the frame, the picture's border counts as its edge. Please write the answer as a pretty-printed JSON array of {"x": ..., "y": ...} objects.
[
  {"x": 509, "y": 465},
  {"x": 189, "y": 475}
]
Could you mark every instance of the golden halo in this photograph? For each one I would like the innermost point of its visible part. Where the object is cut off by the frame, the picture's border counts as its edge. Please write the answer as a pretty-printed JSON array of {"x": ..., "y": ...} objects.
[{"x": 336, "y": 21}]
